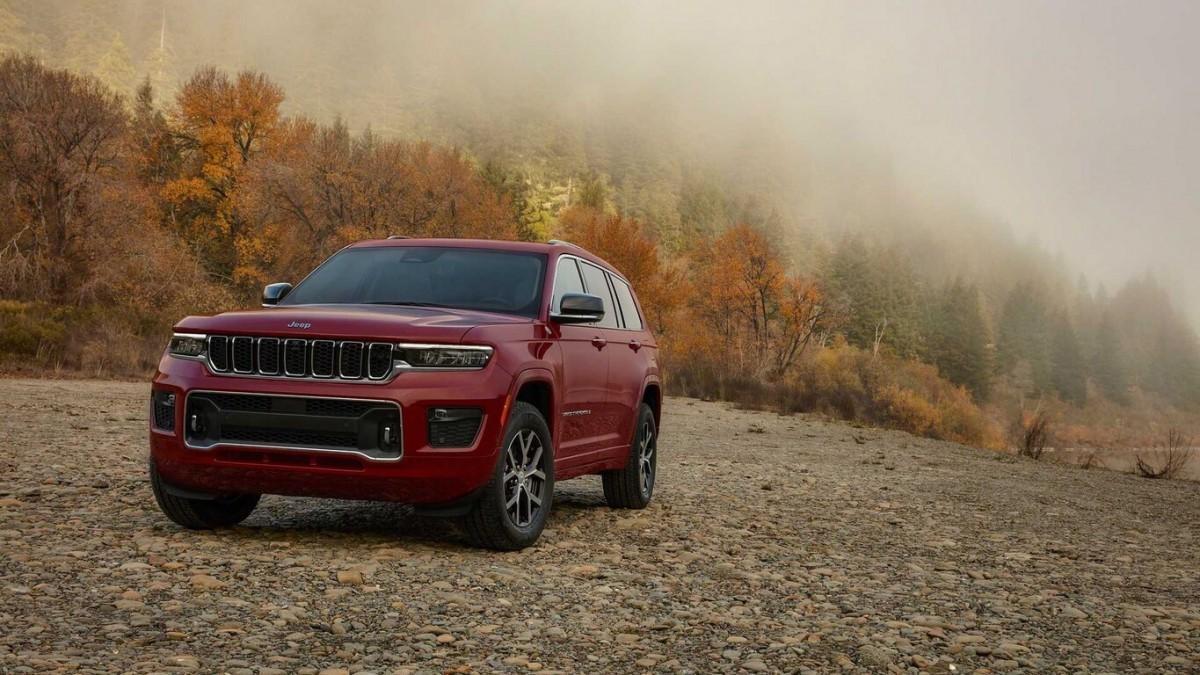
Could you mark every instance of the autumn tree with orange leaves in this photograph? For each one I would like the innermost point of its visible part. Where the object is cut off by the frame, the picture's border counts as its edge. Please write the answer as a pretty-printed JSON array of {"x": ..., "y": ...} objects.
[
  {"x": 222, "y": 124},
  {"x": 748, "y": 311}
]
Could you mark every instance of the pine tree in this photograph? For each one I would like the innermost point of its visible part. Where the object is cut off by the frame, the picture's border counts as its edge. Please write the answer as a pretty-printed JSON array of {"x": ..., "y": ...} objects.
[
  {"x": 115, "y": 68},
  {"x": 1108, "y": 364},
  {"x": 959, "y": 339},
  {"x": 1023, "y": 336},
  {"x": 1069, "y": 370}
]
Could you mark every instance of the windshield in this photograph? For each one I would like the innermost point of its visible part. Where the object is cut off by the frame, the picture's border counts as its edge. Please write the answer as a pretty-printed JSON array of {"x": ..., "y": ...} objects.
[{"x": 462, "y": 278}]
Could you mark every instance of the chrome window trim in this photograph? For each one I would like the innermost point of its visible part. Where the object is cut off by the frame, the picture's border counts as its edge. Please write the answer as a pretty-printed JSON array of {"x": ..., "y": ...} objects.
[
  {"x": 611, "y": 273},
  {"x": 277, "y": 446},
  {"x": 616, "y": 310},
  {"x": 613, "y": 281}
]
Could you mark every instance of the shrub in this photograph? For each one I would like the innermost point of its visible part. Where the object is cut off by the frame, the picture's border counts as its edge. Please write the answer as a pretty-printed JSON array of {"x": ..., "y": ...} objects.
[
  {"x": 1172, "y": 458},
  {"x": 1031, "y": 434},
  {"x": 31, "y": 330},
  {"x": 847, "y": 383}
]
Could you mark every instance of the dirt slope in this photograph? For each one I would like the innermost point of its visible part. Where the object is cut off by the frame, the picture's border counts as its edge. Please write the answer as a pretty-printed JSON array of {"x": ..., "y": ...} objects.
[{"x": 774, "y": 544}]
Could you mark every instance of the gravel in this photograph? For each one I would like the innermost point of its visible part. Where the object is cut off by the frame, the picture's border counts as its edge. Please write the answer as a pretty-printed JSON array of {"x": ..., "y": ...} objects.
[{"x": 774, "y": 544}]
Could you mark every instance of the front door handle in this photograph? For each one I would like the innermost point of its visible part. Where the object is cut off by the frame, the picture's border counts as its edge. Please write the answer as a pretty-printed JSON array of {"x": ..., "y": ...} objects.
[{"x": 599, "y": 342}]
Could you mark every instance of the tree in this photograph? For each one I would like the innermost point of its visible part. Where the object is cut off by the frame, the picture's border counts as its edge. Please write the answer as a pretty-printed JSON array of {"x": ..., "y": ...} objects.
[
  {"x": 115, "y": 67},
  {"x": 593, "y": 192},
  {"x": 59, "y": 140},
  {"x": 881, "y": 294},
  {"x": 1023, "y": 336},
  {"x": 960, "y": 337},
  {"x": 222, "y": 124},
  {"x": 1069, "y": 372},
  {"x": 1108, "y": 364}
]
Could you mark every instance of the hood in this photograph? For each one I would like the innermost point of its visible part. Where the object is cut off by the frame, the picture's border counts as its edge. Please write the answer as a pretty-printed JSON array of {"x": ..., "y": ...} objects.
[{"x": 362, "y": 322}]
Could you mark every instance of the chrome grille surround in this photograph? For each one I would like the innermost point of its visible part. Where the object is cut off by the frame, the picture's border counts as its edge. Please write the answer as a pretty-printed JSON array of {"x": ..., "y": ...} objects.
[{"x": 300, "y": 358}]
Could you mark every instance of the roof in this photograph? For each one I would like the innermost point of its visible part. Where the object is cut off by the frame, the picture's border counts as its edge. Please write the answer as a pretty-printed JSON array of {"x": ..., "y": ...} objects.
[{"x": 554, "y": 246}]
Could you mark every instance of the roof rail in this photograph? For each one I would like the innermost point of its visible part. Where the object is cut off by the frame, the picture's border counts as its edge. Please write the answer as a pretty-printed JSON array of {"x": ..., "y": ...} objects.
[
  {"x": 564, "y": 242},
  {"x": 399, "y": 236}
]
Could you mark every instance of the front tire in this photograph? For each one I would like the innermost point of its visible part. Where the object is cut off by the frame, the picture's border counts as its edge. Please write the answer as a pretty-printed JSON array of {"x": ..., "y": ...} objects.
[
  {"x": 513, "y": 507},
  {"x": 201, "y": 514},
  {"x": 632, "y": 486}
]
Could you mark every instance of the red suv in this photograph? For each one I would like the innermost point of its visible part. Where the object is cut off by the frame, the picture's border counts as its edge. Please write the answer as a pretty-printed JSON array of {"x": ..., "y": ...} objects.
[{"x": 463, "y": 377}]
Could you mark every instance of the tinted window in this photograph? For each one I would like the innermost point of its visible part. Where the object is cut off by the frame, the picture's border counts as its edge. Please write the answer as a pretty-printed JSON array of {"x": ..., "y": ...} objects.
[
  {"x": 461, "y": 278},
  {"x": 628, "y": 307},
  {"x": 566, "y": 280},
  {"x": 596, "y": 285}
]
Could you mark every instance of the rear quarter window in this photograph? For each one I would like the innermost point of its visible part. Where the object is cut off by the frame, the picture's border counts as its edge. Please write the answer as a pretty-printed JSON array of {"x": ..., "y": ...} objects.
[{"x": 629, "y": 310}]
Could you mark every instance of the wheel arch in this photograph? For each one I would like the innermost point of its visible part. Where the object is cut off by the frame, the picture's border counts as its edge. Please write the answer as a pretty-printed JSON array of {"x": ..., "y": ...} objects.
[
  {"x": 652, "y": 396},
  {"x": 535, "y": 386}
]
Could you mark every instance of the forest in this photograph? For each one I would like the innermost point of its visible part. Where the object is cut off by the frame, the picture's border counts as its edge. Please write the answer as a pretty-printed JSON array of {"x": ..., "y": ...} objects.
[{"x": 142, "y": 185}]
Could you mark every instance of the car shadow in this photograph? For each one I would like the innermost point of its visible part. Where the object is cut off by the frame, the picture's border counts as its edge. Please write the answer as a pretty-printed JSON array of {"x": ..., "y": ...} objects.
[{"x": 362, "y": 523}]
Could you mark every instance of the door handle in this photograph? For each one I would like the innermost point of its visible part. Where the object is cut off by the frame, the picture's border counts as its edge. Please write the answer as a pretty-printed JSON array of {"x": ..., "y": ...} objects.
[
  {"x": 599, "y": 342},
  {"x": 635, "y": 345}
]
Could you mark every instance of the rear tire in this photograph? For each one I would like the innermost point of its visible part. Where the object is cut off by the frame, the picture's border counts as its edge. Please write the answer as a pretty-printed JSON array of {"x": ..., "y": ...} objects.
[
  {"x": 512, "y": 509},
  {"x": 632, "y": 486},
  {"x": 201, "y": 514}
]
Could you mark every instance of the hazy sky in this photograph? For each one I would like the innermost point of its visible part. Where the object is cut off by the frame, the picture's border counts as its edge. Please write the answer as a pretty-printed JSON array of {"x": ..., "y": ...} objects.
[
  {"x": 1073, "y": 122},
  {"x": 1077, "y": 123}
]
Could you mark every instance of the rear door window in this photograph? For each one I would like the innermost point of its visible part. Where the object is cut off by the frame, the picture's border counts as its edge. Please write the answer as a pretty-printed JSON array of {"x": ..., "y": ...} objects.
[
  {"x": 633, "y": 321},
  {"x": 594, "y": 277}
]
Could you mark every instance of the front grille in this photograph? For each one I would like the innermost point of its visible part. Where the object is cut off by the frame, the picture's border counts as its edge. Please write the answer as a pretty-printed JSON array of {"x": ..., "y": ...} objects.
[
  {"x": 369, "y": 428},
  {"x": 321, "y": 439},
  {"x": 299, "y": 357}
]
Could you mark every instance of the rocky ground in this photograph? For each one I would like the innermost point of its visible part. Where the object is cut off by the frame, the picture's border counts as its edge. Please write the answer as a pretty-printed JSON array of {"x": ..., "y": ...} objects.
[{"x": 775, "y": 544}]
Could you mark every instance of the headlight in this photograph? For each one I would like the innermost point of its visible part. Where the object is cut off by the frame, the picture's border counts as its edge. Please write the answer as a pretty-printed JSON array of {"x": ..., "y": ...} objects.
[
  {"x": 465, "y": 357},
  {"x": 187, "y": 345}
]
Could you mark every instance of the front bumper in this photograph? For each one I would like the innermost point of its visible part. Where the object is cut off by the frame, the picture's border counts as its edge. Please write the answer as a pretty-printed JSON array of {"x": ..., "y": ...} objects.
[{"x": 422, "y": 474}]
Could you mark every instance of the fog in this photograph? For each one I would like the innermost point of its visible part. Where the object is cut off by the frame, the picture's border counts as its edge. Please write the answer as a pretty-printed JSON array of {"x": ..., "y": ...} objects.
[{"x": 1071, "y": 123}]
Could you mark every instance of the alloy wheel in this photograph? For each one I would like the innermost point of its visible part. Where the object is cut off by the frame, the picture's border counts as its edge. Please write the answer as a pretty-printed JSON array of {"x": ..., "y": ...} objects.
[
  {"x": 524, "y": 477},
  {"x": 646, "y": 463}
]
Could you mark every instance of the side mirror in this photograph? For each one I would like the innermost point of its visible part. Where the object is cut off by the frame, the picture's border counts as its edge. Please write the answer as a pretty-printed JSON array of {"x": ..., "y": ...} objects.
[
  {"x": 273, "y": 293},
  {"x": 579, "y": 308}
]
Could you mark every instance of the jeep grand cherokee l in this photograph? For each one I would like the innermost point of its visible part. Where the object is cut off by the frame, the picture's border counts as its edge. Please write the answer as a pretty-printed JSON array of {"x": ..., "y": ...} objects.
[{"x": 463, "y": 377}]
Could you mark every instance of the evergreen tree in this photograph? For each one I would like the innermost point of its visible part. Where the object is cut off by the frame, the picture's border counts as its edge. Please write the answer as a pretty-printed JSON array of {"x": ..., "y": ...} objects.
[
  {"x": 1108, "y": 364},
  {"x": 881, "y": 294},
  {"x": 115, "y": 68},
  {"x": 1022, "y": 336},
  {"x": 959, "y": 339},
  {"x": 1069, "y": 373}
]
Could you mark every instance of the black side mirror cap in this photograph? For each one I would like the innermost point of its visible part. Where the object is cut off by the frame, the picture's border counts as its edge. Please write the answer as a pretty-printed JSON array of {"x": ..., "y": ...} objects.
[
  {"x": 579, "y": 308},
  {"x": 273, "y": 293}
]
